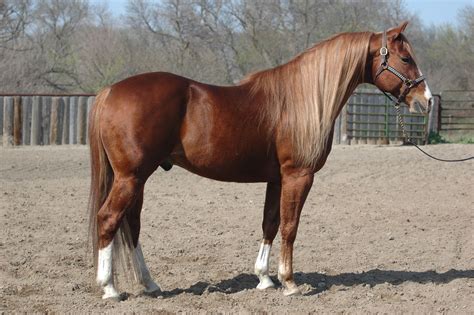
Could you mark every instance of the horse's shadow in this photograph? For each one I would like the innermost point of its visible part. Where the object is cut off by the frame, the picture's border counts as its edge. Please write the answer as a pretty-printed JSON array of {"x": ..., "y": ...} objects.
[{"x": 321, "y": 282}]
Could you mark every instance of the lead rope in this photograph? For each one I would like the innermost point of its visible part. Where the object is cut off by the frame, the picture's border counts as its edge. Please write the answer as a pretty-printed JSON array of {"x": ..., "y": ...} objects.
[{"x": 407, "y": 139}]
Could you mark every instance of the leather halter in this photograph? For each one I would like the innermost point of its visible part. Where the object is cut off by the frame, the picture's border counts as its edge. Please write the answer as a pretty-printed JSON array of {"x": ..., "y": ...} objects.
[{"x": 408, "y": 83}]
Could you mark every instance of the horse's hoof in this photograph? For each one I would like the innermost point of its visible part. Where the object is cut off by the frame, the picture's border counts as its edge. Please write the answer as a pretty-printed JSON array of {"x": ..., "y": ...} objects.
[
  {"x": 152, "y": 289},
  {"x": 115, "y": 298},
  {"x": 292, "y": 291},
  {"x": 265, "y": 283}
]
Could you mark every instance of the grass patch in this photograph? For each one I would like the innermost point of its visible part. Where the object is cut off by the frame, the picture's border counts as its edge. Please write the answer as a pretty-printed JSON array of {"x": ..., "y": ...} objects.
[
  {"x": 436, "y": 138},
  {"x": 466, "y": 140}
]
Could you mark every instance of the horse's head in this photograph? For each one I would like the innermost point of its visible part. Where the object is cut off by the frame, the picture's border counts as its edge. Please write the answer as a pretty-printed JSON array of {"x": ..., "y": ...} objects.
[{"x": 394, "y": 69}]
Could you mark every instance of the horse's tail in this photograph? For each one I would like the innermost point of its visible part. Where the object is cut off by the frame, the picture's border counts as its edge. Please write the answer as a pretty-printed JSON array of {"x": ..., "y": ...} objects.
[
  {"x": 101, "y": 171},
  {"x": 102, "y": 177}
]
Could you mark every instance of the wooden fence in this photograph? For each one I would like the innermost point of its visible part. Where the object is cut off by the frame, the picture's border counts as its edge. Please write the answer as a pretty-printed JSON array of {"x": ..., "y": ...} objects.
[
  {"x": 456, "y": 115},
  {"x": 368, "y": 118},
  {"x": 44, "y": 119}
]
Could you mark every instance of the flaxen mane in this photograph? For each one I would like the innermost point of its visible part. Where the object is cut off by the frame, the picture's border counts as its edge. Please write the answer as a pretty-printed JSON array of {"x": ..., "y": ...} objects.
[{"x": 306, "y": 94}]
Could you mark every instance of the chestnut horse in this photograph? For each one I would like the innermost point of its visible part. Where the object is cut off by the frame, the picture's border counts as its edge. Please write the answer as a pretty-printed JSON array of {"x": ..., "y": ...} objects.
[{"x": 276, "y": 126}]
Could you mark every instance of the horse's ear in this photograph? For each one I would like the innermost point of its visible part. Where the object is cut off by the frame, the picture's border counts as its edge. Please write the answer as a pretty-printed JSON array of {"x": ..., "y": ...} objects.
[{"x": 395, "y": 32}]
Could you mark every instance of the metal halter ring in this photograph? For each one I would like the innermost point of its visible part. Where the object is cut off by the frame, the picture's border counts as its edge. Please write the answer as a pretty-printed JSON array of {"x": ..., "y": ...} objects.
[{"x": 383, "y": 51}]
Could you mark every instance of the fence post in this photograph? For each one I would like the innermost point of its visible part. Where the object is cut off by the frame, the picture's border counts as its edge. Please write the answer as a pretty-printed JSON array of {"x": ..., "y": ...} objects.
[
  {"x": 90, "y": 103},
  {"x": 433, "y": 122},
  {"x": 26, "y": 115},
  {"x": 46, "y": 119},
  {"x": 337, "y": 131},
  {"x": 440, "y": 109},
  {"x": 55, "y": 134},
  {"x": 65, "y": 129},
  {"x": 73, "y": 120},
  {"x": 81, "y": 120},
  {"x": 7, "y": 121},
  {"x": 36, "y": 121},
  {"x": 344, "y": 137},
  {"x": 17, "y": 121}
]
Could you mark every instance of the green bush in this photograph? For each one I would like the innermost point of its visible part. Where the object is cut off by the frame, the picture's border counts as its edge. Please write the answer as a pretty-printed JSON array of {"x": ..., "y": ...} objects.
[
  {"x": 466, "y": 140},
  {"x": 435, "y": 138}
]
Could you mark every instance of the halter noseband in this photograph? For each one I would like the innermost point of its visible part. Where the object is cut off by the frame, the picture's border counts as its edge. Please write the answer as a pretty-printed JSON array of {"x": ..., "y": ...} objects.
[{"x": 409, "y": 84}]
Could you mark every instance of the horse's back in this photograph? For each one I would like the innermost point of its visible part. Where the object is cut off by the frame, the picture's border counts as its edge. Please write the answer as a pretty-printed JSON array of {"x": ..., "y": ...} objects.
[{"x": 150, "y": 87}]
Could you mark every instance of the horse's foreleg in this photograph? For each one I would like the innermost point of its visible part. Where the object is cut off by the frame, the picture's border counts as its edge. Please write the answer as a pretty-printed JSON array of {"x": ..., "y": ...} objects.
[
  {"x": 121, "y": 197},
  {"x": 133, "y": 218},
  {"x": 271, "y": 221},
  {"x": 295, "y": 189}
]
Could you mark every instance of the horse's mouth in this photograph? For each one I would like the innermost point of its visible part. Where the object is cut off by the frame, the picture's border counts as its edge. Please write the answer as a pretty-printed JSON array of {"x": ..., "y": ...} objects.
[{"x": 417, "y": 108}]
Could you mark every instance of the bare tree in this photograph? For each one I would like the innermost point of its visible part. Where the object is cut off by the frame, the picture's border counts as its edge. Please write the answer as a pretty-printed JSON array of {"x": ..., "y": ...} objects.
[
  {"x": 13, "y": 19},
  {"x": 64, "y": 45},
  {"x": 57, "y": 23}
]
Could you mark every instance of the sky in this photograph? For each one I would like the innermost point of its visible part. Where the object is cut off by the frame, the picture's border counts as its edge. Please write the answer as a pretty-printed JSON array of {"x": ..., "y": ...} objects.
[
  {"x": 437, "y": 12},
  {"x": 431, "y": 12}
]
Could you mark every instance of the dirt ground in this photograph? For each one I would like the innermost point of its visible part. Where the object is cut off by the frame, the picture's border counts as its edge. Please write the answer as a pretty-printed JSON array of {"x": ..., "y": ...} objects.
[{"x": 385, "y": 229}]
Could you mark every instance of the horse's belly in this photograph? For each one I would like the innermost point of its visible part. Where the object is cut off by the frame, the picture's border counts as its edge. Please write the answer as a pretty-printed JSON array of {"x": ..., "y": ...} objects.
[{"x": 230, "y": 166}]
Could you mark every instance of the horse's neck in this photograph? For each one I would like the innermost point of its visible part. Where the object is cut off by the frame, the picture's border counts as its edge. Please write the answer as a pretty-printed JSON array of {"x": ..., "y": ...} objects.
[{"x": 348, "y": 93}]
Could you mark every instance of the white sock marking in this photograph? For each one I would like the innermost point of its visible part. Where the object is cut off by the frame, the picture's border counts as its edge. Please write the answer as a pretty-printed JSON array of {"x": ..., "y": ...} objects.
[
  {"x": 104, "y": 272},
  {"x": 261, "y": 266}
]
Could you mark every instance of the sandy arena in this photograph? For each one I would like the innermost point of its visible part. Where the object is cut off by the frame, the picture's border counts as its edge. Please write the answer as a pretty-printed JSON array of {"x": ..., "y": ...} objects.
[{"x": 384, "y": 229}]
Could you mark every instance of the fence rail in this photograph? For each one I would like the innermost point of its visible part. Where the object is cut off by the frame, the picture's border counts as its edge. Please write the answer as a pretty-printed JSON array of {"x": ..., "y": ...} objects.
[
  {"x": 456, "y": 117},
  {"x": 368, "y": 118}
]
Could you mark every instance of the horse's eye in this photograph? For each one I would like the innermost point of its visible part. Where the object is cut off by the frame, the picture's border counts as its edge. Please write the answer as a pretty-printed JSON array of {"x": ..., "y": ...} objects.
[{"x": 406, "y": 59}]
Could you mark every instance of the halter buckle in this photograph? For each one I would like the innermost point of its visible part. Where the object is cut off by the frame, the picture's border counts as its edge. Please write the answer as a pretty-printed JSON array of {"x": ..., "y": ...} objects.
[{"x": 383, "y": 51}]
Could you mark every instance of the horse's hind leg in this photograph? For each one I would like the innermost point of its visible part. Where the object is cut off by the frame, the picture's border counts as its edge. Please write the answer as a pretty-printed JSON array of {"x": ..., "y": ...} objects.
[
  {"x": 271, "y": 222},
  {"x": 133, "y": 218},
  {"x": 109, "y": 218}
]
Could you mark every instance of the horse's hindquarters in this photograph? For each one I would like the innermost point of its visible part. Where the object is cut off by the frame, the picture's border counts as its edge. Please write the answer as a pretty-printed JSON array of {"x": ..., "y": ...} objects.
[{"x": 141, "y": 120}]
